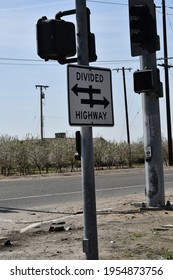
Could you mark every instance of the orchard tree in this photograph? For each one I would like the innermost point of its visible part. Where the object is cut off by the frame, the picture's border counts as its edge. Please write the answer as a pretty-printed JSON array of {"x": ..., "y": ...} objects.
[
  {"x": 8, "y": 150},
  {"x": 99, "y": 151},
  {"x": 110, "y": 156},
  {"x": 22, "y": 156},
  {"x": 165, "y": 151},
  {"x": 70, "y": 149},
  {"x": 38, "y": 153},
  {"x": 57, "y": 153},
  {"x": 137, "y": 151}
]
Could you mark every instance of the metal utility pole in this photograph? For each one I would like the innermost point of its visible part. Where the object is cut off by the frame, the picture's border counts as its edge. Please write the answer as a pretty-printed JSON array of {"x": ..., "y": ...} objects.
[
  {"x": 126, "y": 108},
  {"x": 144, "y": 43},
  {"x": 152, "y": 142},
  {"x": 90, "y": 242},
  {"x": 169, "y": 129},
  {"x": 42, "y": 96}
]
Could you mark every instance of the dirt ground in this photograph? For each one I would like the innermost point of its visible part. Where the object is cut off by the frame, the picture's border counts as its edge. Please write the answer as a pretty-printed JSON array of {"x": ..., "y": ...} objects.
[{"x": 56, "y": 232}]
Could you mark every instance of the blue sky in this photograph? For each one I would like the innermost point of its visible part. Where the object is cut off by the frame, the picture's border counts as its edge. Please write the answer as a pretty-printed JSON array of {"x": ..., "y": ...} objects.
[{"x": 21, "y": 68}]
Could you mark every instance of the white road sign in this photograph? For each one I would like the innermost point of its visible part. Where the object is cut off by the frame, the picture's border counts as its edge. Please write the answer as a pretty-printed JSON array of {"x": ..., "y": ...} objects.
[{"x": 90, "y": 96}]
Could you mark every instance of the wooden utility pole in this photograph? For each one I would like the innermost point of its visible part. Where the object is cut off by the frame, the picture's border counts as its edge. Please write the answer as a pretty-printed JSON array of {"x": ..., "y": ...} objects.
[
  {"x": 169, "y": 129},
  {"x": 125, "y": 100},
  {"x": 42, "y": 96},
  {"x": 126, "y": 109}
]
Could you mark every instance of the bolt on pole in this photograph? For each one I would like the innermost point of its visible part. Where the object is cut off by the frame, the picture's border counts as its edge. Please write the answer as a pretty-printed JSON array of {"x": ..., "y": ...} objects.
[
  {"x": 152, "y": 142},
  {"x": 90, "y": 242}
]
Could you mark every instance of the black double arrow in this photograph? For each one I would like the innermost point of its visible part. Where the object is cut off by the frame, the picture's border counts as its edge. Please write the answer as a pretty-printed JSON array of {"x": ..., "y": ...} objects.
[{"x": 90, "y": 90}]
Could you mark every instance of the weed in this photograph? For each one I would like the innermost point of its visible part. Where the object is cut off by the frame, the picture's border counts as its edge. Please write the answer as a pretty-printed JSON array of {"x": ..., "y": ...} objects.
[
  {"x": 137, "y": 235},
  {"x": 166, "y": 254}
]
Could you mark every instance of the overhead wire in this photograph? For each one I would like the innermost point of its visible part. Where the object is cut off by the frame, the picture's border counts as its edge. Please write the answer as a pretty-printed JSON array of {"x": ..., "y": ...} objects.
[
  {"x": 29, "y": 6},
  {"x": 53, "y": 63},
  {"x": 38, "y": 62},
  {"x": 107, "y": 2}
]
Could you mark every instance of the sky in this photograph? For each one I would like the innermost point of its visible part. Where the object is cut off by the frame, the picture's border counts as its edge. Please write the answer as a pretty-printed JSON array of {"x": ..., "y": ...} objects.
[{"x": 21, "y": 69}]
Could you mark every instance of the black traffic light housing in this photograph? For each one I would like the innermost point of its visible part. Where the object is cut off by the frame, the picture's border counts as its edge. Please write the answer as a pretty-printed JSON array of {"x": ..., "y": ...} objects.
[
  {"x": 143, "y": 30},
  {"x": 148, "y": 81},
  {"x": 144, "y": 80},
  {"x": 78, "y": 146},
  {"x": 55, "y": 39}
]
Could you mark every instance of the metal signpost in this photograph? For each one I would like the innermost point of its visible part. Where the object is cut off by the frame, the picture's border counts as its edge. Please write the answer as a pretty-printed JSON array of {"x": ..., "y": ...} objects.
[
  {"x": 89, "y": 93},
  {"x": 90, "y": 241}
]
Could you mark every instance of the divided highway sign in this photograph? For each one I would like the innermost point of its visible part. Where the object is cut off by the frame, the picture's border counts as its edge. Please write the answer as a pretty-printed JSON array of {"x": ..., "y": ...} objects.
[{"x": 90, "y": 96}]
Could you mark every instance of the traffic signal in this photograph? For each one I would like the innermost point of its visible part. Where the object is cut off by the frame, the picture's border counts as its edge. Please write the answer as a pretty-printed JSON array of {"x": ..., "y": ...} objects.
[
  {"x": 55, "y": 39},
  {"x": 78, "y": 146},
  {"x": 92, "y": 47},
  {"x": 143, "y": 30},
  {"x": 148, "y": 81},
  {"x": 144, "y": 80}
]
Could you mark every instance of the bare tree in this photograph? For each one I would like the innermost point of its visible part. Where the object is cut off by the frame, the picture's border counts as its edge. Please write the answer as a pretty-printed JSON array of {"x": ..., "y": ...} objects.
[{"x": 8, "y": 149}]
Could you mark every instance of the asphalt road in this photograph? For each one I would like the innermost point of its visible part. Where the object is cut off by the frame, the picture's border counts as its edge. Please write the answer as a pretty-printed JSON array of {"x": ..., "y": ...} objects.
[{"x": 39, "y": 191}]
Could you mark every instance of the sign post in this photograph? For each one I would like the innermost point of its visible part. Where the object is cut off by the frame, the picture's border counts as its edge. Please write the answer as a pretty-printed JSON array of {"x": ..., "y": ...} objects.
[{"x": 90, "y": 241}]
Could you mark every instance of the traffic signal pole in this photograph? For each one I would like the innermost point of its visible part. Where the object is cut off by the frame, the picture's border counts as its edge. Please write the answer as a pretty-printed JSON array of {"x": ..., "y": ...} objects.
[
  {"x": 144, "y": 43},
  {"x": 152, "y": 141},
  {"x": 90, "y": 242}
]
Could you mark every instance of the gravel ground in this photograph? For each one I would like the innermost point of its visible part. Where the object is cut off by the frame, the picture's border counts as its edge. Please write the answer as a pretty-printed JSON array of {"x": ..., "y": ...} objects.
[{"x": 56, "y": 232}]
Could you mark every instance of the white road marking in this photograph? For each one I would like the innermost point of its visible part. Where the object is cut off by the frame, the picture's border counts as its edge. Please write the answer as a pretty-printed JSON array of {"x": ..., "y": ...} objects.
[
  {"x": 67, "y": 193},
  {"x": 74, "y": 193}
]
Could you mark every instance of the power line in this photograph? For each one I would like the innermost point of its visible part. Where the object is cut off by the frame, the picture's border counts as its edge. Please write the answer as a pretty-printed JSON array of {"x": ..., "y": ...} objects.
[
  {"x": 105, "y": 2},
  {"x": 14, "y": 60},
  {"x": 29, "y": 7},
  {"x": 51, "y": 61},
  {"x": 38, "y": 62},
  {"x": 19, "y": 59},
  {"x": 25, "y": 64},
  {"x": 162, "y": 58},
  {"x": 118, "y": 61}
]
